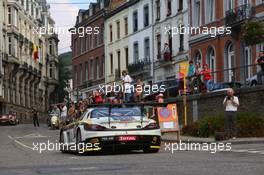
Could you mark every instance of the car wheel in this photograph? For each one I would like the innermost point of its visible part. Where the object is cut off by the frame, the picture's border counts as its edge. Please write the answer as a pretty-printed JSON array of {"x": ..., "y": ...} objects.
[
  {"x": 62, "y": 143},
  {"x": 150, "y": 150}
]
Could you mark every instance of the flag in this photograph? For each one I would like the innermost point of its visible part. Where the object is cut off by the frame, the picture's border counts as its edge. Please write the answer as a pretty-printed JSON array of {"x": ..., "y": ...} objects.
[{"x": 35, "y": 52}]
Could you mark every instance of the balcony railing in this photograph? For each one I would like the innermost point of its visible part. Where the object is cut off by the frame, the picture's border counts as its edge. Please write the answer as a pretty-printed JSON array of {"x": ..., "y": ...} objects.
[
  {"x": 238, "y": 14},
  {"x": 139, "y": 67}
]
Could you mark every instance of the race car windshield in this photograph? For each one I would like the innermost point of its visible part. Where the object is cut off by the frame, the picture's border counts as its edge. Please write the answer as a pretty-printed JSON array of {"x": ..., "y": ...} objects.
[{"x": 116, "y": 112}]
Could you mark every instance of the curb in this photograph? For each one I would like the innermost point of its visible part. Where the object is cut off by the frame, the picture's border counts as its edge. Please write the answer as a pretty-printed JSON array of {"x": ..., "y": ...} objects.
[{"x": 233, "y": 142}]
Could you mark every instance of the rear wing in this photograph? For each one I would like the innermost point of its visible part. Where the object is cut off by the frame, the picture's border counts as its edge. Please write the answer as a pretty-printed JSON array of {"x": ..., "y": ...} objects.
[{"x": 125, "y": 105}]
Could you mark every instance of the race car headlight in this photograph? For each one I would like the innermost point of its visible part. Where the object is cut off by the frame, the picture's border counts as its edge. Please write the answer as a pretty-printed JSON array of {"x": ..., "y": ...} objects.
[
  {"x": 152, "y": 126},
  {"x": 92, "y": 127}
]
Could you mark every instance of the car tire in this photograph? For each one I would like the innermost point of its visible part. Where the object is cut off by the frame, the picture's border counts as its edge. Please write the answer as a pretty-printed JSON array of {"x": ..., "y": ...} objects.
[
  {"x": 62, "y": 143},
  {"x": 150, "y": 150}
]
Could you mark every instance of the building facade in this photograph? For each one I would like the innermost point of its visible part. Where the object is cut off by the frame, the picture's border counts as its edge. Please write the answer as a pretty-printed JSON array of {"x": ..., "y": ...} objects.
[
  {"x": 128, "y": 34},
  {"x": 168, "y": 17},
  {"x": 225, "y": 53},
  {"x": 88, "y": 49},
  {"x": 29, "y": 58}
]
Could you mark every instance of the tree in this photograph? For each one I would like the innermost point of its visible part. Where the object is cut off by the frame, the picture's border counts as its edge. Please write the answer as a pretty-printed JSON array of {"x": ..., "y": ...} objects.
[{"x": 253, "y": 32}]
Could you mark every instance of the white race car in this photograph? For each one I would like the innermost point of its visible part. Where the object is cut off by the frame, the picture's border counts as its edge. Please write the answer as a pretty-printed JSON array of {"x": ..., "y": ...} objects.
[{"x": 111, "y": 129}]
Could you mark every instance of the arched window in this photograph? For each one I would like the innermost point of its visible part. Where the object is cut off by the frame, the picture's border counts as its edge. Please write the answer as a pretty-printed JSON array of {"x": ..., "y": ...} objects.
[
  {"x": 229, "y": 62},
  {"x": 211, "y": 60},
  {"x": 198, "y": 58}
]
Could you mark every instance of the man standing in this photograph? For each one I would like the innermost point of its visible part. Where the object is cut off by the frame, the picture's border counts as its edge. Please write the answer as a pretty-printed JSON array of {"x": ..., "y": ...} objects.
[
  {"x": 127, "y": 80},
  {"x": 35, "y": 118},
  {"x": 231, "y": 104}
]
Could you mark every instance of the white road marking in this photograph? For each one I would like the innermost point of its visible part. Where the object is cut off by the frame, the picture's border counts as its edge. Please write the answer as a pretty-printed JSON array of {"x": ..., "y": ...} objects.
[
  {"x": 33, "y": 135},
  {"x": 83, "y": 168},
  {"x": 21, "y": 144}
]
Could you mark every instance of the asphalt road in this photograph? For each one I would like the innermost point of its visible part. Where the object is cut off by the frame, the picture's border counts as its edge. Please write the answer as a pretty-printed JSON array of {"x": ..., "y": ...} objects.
[{"x": 18, "y": 157}]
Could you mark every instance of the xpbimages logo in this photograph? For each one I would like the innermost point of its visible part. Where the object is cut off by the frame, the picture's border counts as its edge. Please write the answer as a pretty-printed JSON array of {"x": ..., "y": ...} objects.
[{"x": 145, "y": 89}]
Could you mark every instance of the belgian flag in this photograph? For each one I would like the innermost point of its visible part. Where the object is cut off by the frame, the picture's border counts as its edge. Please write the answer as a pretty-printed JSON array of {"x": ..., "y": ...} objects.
[{"x": 35, "y": 52}]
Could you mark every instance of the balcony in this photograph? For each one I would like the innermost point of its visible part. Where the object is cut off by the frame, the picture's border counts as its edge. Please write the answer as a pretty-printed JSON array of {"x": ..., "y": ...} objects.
[
  {"x": 235, "y": 17},
  {"x": 139, "y": 68}
]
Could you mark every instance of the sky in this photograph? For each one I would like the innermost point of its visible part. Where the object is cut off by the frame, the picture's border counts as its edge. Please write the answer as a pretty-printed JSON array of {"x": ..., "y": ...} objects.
[{"x": 64, "y": 15}]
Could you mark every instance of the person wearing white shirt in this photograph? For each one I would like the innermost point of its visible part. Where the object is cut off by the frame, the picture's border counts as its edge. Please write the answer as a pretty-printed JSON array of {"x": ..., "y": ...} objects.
[
  {"x": 231, "y": 104},
  {"x": 127, "y": 80}
]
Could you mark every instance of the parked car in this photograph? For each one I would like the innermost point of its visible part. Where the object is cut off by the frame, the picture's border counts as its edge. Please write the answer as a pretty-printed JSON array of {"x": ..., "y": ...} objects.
[
  {"x": 173, "y": 88},
  {"x": 10, "y": 119},
  {"x": 225, "y": 85},
  {"x": 111, "y": 129},
  {"x": 252, "y": 81}
]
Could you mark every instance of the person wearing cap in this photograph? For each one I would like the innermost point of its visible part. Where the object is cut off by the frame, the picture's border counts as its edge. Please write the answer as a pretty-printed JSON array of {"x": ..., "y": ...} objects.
[{"x": 207, "y": 76}]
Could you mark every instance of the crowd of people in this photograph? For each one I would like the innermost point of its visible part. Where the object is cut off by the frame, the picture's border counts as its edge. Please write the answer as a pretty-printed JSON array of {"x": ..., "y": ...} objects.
[{"x": 199, "y": 80}]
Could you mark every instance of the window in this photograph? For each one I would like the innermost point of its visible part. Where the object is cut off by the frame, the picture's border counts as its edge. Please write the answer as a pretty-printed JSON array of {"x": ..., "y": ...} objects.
[
  {"x": 111, "y": 64},
  {"x": 259, "y": 2},
  {"x": 180, "y": 7},
  {"x": 91, "y": 69},
  {"x": 196, "y": 13},
  {"x": 9, "y": 45},
  {"x": 229, "y": 4},
  {"x": 15, "y": 17},
  {"x": 75, "y": 47},
  {"x": 111, "y": 33},
  {"x": 80, "y": 74},
  {"x": 95, "y": 40},
  {"x": 126, "y": 25},
  {"x": 75, "y": 74},
  {"x": 168, "y": 7},
  {"x": 9, "y": 16},
  {"x": 15, "y": 47},
  {"x": 118, "y": 29},
  {"x": 135, "y": 21},
  {"x": 210, "y": 11},
  {"x": 147, "y": 49},
  {"x": 97, "y": 68},
  {"x": 51, "y": 47},
  {"x": 27, "y": 5},
  {"x": 198, "y": 58},
  {"x": 86, "y": 71},
  {"x": 146, "y": 16},
  {"x": 119, "y": 63},
  {"x": 127, "y": 61},
  {"x": 157, "y": 10},
  {"x": 229, "y": 62},
  {"x": 181, "y": 48},
  {"x": 211, "y": 61},
  {"x": 102, "y": 66},
  {"x": 248, "y": 62},
  {"x": 136, "y": 55},
  {"x": 83, "y": 44},
  {"x": 158, "y": 46}
]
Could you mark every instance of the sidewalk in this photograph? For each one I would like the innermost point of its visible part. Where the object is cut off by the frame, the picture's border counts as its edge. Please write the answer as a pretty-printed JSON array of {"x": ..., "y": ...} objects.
[{"x": 171, "y": 137}]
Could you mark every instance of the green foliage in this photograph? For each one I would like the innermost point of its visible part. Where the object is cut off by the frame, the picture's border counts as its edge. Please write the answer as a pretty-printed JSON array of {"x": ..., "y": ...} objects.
[
  {"x": 248, "y": 125},
  {"x": 253, "y": 32},
  {"x": 64, "y": 76}
]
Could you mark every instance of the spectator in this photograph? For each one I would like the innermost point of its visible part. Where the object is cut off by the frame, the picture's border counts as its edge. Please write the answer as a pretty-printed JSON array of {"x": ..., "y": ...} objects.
[
  {"x": 98, "y": 97},
  {"x": 63, "y": 114},
  {"x": 72, "y": 113},
  {"x": 208, "y": 78},
  {"x": 127, "y": 80},
  {"x": 191, "y": 69},
  {"x": 260, "y": 68},
  {"x": 139, "y": 89},
  {"x": 35, "y": 118},
  {"x": 231, "y": 104},
  {"x": 167, "y": 52}
]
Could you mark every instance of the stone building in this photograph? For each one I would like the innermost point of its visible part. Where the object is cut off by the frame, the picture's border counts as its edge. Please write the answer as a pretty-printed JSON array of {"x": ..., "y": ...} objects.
[{"x": 29, "y": 59}]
